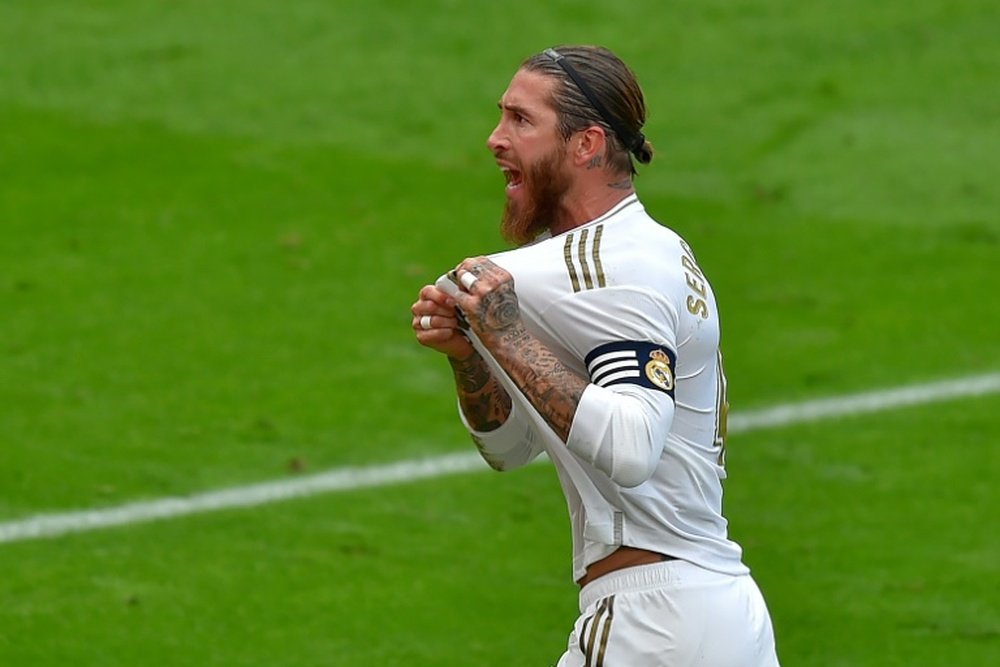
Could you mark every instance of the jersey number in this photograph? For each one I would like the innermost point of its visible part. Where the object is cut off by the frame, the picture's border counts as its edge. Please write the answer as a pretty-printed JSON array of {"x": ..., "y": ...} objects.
[{"x": 721, "y": 412}]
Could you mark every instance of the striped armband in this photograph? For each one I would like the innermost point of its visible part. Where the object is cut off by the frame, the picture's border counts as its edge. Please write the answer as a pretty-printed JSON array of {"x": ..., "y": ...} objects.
[{"x": 633, "y": 362}]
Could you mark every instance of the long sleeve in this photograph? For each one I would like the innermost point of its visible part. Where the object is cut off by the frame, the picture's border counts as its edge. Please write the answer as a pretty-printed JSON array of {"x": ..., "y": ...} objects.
[
  {"x": 621, "y": 431},
  {"x": 510, "y": 446}
]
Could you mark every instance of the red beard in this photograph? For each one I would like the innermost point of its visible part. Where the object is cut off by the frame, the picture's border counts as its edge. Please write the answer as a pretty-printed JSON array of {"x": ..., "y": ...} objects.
[{"x": 545, "y": 183}]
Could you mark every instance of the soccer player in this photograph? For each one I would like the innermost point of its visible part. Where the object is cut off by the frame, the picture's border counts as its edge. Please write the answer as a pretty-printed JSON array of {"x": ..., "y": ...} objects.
[{"x": 596, "y": 341}]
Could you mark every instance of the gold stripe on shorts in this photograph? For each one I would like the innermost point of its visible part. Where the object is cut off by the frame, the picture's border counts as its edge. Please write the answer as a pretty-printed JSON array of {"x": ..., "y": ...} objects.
[
  {"x": 603, "y": 613},
  {"x": 607, "y": 631}
]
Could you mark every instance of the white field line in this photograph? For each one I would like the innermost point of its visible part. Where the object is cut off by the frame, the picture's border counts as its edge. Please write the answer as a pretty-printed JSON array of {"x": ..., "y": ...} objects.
[{"x": 352, "y": 478}]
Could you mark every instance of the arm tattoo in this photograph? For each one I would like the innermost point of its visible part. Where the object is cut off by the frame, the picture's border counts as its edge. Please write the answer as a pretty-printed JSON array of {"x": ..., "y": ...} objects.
[
  {"x": 552, "y": 388},
  {"x": 498, "y": 310},
  {"x": 484, "y": 402},
  {"x": 471, "y": 378}
]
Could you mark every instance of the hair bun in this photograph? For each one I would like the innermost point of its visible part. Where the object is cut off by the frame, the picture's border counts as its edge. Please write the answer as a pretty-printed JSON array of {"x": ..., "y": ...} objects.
[{"x": 644, "y": 152}]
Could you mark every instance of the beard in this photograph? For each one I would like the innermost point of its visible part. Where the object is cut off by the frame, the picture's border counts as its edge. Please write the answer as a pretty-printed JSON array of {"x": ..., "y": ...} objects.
[{"x": 545, "y": 183}]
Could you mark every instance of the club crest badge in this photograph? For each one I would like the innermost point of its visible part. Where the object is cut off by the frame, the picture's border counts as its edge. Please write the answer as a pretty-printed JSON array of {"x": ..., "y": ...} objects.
[
  {"x": 658, "y": 370},
  {"x": 638, "y": 362}
]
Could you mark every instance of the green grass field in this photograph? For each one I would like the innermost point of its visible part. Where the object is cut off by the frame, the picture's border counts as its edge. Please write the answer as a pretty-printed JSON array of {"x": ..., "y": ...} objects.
[{"x": 215, "y": 217}]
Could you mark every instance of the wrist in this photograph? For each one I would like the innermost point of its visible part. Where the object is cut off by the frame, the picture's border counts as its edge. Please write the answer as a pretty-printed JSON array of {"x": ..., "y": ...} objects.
[
  {"x": 460, "y": 361},
  {"x": 510, "y": 339}
]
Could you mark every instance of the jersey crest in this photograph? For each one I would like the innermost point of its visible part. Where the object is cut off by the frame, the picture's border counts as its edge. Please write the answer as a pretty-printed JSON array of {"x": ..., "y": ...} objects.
[
  {"x": 633, "y": 362},
  {"x": 659, "y": 370}
]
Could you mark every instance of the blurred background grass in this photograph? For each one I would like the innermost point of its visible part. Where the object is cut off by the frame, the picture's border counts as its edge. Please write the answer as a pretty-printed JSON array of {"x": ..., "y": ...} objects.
[{"x": 215, "y": 218}]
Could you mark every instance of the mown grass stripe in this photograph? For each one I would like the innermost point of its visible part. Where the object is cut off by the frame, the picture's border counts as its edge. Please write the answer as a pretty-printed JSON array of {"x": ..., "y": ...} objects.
[{"x": 353, "y": 478}]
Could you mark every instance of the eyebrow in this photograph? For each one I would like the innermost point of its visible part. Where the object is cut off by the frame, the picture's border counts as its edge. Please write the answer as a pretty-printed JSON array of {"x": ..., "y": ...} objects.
[{"x": 516, "y": 108}]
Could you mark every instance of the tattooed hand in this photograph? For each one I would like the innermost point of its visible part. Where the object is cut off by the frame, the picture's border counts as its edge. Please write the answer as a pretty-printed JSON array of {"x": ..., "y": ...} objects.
[
  {"x": 438, "y": 325},
  {"x": 488, "y": 301},
  {"x": 489, "y": 304}
]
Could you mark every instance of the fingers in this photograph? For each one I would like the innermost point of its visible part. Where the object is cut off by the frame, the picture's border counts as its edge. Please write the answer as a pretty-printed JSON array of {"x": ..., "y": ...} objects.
[
  {"x": 435, "y": 295},
  {"x": 441, "y": 333},
  {"x": 437, "y": 337},
  {"x": 436, "y": 320},
  {"x": 431, "y": 322},
  {"x": 481, "y": 272},
  {"x": 432, "y": 301},
  {"x": 433, "y": 310},
  {"x": 467, "y": 279},
  {"x": 425, "y": 307}
]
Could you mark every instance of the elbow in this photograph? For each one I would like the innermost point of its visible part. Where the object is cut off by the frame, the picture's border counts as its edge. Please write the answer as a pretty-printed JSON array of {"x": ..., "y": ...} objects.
[
  {"x": 505, "y": 459},
  {"x": 496, "y": 464},
  {"x": 619, "y": 435},
  {"x": 632, "y": 472},
  {"x": 492, "y": 460},
  {"x": 635, "y": 462}
]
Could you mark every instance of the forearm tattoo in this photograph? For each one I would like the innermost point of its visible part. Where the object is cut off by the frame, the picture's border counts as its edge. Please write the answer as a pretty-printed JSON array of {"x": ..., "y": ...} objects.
[
  {"x": 484, "y": 402},
  {"x": 552, "y": 388}
]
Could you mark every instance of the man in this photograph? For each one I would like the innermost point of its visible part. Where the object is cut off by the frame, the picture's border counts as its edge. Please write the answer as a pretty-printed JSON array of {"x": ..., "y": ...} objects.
[{"x": 596, "y": 341}]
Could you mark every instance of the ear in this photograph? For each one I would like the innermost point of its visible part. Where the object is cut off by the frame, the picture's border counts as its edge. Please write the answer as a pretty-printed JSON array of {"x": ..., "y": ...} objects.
[{"x": 588, "y": 144}]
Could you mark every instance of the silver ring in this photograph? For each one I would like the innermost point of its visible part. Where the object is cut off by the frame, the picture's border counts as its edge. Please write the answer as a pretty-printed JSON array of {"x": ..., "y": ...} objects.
[
  {"x": 468, "y": 279},
  {"x": 425, "y": 322}
]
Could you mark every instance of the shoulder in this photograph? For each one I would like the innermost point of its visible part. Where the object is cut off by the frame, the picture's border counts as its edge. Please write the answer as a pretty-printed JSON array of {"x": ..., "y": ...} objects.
[
  {"x": 623, "y": 250},
  {"x": 639, "y": 251}
]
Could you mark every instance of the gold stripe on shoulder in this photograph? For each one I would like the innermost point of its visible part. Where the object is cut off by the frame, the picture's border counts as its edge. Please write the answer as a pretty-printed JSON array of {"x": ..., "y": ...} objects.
[
  {"x": 587, "y": 280},
  {"x": 568, "y": 255},
  {"x": 601, "y": 282}
]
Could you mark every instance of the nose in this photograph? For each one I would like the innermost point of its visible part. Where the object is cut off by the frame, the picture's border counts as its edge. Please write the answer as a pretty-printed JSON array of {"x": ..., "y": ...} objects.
[{"x": 497, "y": 142}]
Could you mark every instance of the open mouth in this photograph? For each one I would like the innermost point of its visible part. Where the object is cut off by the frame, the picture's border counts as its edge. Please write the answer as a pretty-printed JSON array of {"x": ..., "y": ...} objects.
[{"x": 514, "y": 178}]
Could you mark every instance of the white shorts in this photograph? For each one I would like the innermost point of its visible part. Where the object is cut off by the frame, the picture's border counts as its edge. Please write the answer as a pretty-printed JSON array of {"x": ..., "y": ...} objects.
[{"x": 671, "y": 614}]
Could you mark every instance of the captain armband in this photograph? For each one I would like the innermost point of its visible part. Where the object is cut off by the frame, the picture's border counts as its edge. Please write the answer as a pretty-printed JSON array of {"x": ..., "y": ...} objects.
[{"x": 633, "y": 362}]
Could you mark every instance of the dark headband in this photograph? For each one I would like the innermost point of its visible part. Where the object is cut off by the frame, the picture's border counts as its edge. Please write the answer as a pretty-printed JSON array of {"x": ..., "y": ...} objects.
[{"x": 636, "y": 142}]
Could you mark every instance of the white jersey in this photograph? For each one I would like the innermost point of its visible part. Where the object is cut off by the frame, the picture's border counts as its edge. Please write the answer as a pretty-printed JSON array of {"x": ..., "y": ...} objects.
[{"x": 621, "y": 301}]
